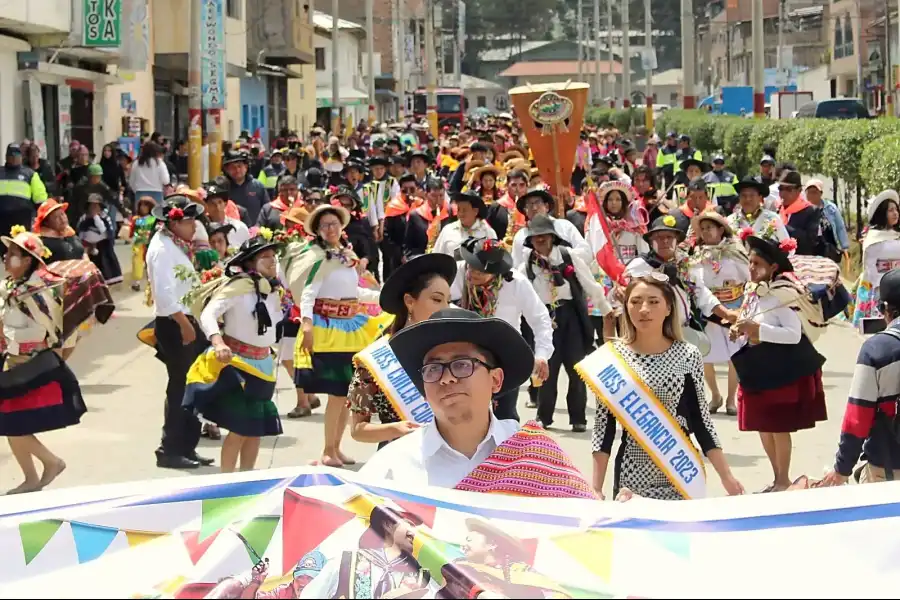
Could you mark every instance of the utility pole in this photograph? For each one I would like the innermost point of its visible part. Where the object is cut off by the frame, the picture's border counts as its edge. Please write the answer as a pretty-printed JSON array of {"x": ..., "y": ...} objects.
[
  {"x": 598, "y": 73},
  {"x": 430, "y": 68},
  {"x": 648, "y": 73},
  {"x": 195, "y": 99},
  {"x": 688, "y": 54},
  {"x": 626, "y": 55},
  {"x": 335, "y": 69},
  {"x": 580, "y": 35},
  {"x": 459, "y": 44},
  {"x": 779, "y": 58},
  {"x": 858, "y": 50},
  {"x": 370, "y": 61},
  {"x": 759, "y": 83},
  {"x": 401, "y": 59},
  {"x": 888, "y": 68},
  {"x": 609, "y": 41}
]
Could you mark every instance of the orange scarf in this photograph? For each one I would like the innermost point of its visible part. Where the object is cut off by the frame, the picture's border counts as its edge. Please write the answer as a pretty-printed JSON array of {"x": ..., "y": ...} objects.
[{"x": 786, "y": 211}]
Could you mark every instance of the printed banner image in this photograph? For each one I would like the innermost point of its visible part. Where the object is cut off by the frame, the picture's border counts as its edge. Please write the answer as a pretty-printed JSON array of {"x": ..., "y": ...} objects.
[{"x": 320, "y": 533}]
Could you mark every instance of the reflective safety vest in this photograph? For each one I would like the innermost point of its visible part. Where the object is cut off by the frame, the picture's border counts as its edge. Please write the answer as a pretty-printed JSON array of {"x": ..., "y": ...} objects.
[
  {"x": 269, "y": 178},
  {"x": 721, "y": 184},
  {"x": 21, "y": 189},
  {"x": 666, "y": 159},
  {"x": 683, "y": 155}
]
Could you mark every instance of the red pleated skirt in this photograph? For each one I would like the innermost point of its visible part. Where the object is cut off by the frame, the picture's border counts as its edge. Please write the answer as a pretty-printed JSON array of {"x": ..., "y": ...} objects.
[{"x": 792, "y": 407}]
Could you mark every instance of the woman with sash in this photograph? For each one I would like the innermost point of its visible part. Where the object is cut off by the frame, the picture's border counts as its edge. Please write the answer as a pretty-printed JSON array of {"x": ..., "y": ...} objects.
[
  {"x": 323, "y": 276},
  {"x": 38, "y": 391},
  {"x": 414, "y": 292},
  {"x": 232, "y": 383},
  {"x": 651, "y": 382},
  {"x": 881, "y": 253},
  {"x": 779, "y": 371},
  {"x": 722, "y": 257}
]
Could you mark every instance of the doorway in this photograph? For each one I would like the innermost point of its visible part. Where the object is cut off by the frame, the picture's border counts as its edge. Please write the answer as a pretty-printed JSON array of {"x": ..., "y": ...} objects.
[{"x": 83, "y": 117}]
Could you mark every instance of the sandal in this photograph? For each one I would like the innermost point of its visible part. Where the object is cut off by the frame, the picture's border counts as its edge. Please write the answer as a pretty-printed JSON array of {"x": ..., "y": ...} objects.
[
  {"x": 730, "y": 409},
  {"x": 768, "y": 489},
  {"x": 299, "y": 412},
  {"x": 715, "y": 404}
]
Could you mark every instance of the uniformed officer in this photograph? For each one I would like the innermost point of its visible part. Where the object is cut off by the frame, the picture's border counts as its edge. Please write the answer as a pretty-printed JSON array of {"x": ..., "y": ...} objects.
[
  {"x": 685, "y": 151},
  {"x": 21, "y": 190},
  {"x": 270, "y": 174},
  {"x": 666, "y": 159},
  {"x": 691, "y": 169},
  {"x": 720, "y": 183}
]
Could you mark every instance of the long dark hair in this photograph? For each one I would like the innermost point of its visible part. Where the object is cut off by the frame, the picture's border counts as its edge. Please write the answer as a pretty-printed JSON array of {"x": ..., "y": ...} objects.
[
  {"x": 415, "y": 289},
  {"x": 879, "y": 219},
  {"x": 149, "y": 151}
]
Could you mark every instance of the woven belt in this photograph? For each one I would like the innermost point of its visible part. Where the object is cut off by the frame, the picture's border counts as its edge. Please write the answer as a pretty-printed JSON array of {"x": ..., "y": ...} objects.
[
  {"x": 337, "y": 309},
  {"x": 729, "y": 293},
  {"x": 884, "y": 265},
  {"x": 246, "y": 350}
]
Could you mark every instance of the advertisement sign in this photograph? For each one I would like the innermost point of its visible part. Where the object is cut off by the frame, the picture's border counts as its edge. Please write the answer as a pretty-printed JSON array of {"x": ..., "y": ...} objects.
[
  {"x": 134, "y": 54},
  {"x": 212, "y": 48},
  {"x": 65, "y": 120},
  {"x": 35, "y": 129},
  {"x": 102, "y": 25}
]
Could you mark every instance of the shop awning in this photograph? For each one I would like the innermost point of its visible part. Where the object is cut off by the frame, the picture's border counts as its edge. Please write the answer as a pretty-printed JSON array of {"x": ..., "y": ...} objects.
[{"x": 349, "y": 96}]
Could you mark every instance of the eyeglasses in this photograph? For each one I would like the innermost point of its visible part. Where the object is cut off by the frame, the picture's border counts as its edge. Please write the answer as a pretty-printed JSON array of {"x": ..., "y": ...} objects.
[
  {"x": 331, "y": 225},
  {"x": 460, "y": 368}
]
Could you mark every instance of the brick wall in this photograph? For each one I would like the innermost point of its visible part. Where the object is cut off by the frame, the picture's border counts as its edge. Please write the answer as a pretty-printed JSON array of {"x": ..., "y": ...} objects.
[{"x": 355, "y": 10}]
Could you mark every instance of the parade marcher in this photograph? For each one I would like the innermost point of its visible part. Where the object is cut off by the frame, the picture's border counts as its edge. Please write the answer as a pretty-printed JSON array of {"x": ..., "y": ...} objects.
[
  {"x": 870, "y": 419},
  {"x": 458, "y": 361},
  {"x": 358, "y": 230},
  {"x": 143, "y": 225},
  {"x": 21, "y": 190},
  {"x": 415, "y": 291},
  {"x": 418, "y": 166},
  {"x": 98, "y": 233},
  {"x": 243, "y": 189},
  {"x": 540, "y": 202},
  {"x": 488, "y": 285},
  {"x": 269, "y": 175},
  {"x": 721, "y": 255},
  {"x": 272, "y": 214},
  {"x": 751, "y": 211},
  {"x": 779, "y": 371},
  {"x": 691, "y": 169},
  {"x": 721, "y": 182},
  {"x": 880, "y": 254},
  {"x": 563, "y": 282},
  {"x": 470, "y": 211},
  {"x": 484, "y": 183},
  {"x": 396, "y": 215},
  {"x": 696, "y": 202},
  {"x": 381, "y": 190},
  {"x": 502, "y": 215},
  {"x": 218, "y": 193},
  {"x": 768, "y": 177},
  {"x": 171, "y": 271},
  {"x": 835, "y": 242},
  {"x": 426, "y": 220},
  {"x": 323, "y": 277},
  {"x": 39, "y": 391},
  {"x": 52, "y": 225},
  {"x": 652, "y": 371},
  {"x": 233, "y": 382},
  {"x": 802, "y": 219}
]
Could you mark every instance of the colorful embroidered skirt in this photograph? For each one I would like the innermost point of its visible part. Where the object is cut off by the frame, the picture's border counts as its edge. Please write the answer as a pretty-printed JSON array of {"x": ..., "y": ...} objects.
[
  {"x": 236, "y": 396},
  {"x": 39, "y": 394},
  {"x": 336, "y": 341},
  {"x": 866, "y": 305}
]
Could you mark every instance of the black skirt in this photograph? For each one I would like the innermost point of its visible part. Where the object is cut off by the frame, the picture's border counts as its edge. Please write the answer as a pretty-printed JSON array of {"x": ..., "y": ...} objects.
[{"x": 40, "y": 395}]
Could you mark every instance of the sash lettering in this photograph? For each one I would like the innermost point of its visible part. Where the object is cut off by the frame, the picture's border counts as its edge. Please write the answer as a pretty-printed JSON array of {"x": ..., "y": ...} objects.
[
  {"x": 379, "y": 360},
  {"x": 646, "y": 419}
]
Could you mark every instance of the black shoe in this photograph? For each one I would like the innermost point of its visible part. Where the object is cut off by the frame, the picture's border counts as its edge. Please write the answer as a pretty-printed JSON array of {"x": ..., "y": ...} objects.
[
  {"x": 171, "y": 461},
  {"x": 580, "y": 428},
  {"x": 204, "y": 462}
]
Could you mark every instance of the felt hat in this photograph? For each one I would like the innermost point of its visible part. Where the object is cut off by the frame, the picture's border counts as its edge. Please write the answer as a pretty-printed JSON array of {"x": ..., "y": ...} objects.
[
  {"x": 251, "y": 248},
  {"x": 235, "y": 157},
  {"x": 475, "y": 200},
  {"x": 480, "y": 171},
  {"x": 772, "y": 251},
  {"x": 45, "y": 209},
  {"x": 878, "y": 200},
  {"x": 541, "y": 193},
  {"x": 400, "y": 281},
  {"x": 693, "y": 162},
  {"x": 213, "y": 228},
  {"x": 486, "y": 255},
  {"x": 712, "y": 215},
  {"x": 541, "y": 225},
  {"x": 177, "y": 207},
  {"x": 751, "y": 183},
  {"x": 664, "y": 223}
]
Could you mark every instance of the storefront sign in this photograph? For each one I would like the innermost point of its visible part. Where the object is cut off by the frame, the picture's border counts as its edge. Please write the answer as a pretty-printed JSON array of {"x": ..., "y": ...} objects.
[
  {"x": 326, "y": 102},
  {"x": 102, "y": 23},
  {"x": 134, "y": 54},
  {"x": 213, "y": 51},
  {"x": 65, "y": 120}
]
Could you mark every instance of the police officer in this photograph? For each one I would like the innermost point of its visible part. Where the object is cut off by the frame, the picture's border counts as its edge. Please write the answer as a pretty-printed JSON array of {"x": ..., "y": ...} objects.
[
  {"x": 21, "y": 190},
  {"x": 666, "y": 159},
  {"x": 720, "y": 182},
  {"x": 270, "y": 174},
  {"x": 691, "y": 169},
  {"x": 685, "y": 151}
]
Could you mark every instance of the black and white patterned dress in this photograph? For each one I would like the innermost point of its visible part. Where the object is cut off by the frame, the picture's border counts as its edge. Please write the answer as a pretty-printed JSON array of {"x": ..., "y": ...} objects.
[{"x": 676, "y": 377}]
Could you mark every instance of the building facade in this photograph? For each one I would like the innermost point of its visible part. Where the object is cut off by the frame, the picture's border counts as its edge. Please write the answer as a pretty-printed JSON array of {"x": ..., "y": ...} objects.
[{"x": 353, "y": 95}]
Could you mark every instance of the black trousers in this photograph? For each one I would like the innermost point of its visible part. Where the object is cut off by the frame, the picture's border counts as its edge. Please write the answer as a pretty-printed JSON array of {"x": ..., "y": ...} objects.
[
  {"x": 528, "y": 335},
  {"x": 181, "y": 429},
  {"x": 505, "y": 405},
  {"x": 392, "y": 255},
  {"x": 567, "y": 352}
]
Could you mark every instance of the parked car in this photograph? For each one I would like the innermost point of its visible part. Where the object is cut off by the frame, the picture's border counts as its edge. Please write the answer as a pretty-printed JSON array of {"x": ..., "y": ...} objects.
[{"x": 835, "y": 108}]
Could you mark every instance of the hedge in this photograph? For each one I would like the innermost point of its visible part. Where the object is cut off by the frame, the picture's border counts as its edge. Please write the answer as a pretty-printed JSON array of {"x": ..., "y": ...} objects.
[{"x": 879, "y": 165}]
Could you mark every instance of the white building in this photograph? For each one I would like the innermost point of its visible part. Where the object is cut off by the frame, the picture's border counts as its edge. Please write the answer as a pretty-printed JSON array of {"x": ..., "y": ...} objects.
[
  {"x": 352, "y": 90},
  {"x": 481, "y": 93}
]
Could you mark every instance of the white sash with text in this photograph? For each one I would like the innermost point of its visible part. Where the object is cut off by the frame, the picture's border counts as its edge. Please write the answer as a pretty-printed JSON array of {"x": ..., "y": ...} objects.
[{"x": 393, "y": 380}]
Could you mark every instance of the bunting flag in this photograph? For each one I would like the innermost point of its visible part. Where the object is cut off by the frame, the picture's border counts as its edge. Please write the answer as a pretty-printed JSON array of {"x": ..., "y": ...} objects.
[
  {"x": 219, "y": 512},
  {"x": 307, "y": 523},
  {"x": 591, "y": 549},
  {"x": 35, "y": 536},
  {"x": 136, "y": 538},
  {"x": 257, "y": 534},
  {"x": 195, "y": 547},
  {"x": 91, "y": 540}
]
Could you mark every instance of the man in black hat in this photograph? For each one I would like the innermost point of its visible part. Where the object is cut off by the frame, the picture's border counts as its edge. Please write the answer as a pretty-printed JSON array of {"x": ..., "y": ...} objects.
[
  {"x": 217, "y": 193},
  {"x": 397, "y": 166},
  {"x": 562, "y": 281},
  {"x": 470, "y": 223},
  {"x": 170, "y": 270},
  {"x": 269, "y": 175},
  {"x": 418, "y": 166},
  {"x": 244, "y": 190},
  {"x": 751, "y": 211},
  {"x": 685, "y": 151},
  {"x": 538, "y": 201},
  {"x": 696, "y": 202},
  {"x": 802, "y": 220},
  {"x": 477, "y": 153},
  {"x": 721, "y": 183},
  {"x": 22, "y": 191}
]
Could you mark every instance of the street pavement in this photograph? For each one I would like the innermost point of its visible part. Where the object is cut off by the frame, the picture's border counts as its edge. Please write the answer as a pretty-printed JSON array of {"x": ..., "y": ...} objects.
[{"x": 124, "y": 387}]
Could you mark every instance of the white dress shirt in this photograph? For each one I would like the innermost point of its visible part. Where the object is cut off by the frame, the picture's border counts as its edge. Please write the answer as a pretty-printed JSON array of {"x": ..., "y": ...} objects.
[
  {"x": 542, "y": 282},
  {"x": 777, "y": 324},
  {"x": 565, "y": 230},
  {"x": 237, "y": 314},
  {"x": 738, "y": 220},
  {"x": 517, "y": 299},
  {"x": 163, "y": 256},
  {"x": 453, "y": 235},
  {"x": 340, "y": 284},
  {"x": 423, "y": 457}
]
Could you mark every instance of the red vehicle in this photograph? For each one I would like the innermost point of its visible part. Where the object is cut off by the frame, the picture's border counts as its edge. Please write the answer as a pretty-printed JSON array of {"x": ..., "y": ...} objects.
[{"x": 451, "y": 105}]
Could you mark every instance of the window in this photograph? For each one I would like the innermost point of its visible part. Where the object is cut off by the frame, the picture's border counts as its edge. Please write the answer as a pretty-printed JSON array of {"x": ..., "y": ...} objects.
[
  {"x": 481, "y": 101},
  {"x": 839, "y": 38},
  {"x": 233, "y": 9},
  {"x": 849, "y": 50},
  {"x": 320, "y": 59}
]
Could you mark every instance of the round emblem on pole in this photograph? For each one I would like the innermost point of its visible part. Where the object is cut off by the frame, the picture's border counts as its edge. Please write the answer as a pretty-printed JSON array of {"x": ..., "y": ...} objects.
[{"x": 551, "y": 109}]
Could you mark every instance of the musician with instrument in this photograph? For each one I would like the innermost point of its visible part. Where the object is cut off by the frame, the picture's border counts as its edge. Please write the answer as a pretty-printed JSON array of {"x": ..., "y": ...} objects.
[{"x": 538, "y": 201}]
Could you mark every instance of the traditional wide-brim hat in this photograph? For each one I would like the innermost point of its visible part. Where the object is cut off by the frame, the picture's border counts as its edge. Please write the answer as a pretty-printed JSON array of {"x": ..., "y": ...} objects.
[
  {"x": 541, "y": 193},
  {"x": 28, "y": 242},
  {"x": 508, "y": 347},
  {"x": 618, "y": 186},
  {"x": 511, "y": 154},
  {"x": 880, "y": 199},
  {"x": 297, "y": 215},
  {"x": 508, "y": 545},
  {"x": 235, "y": 157},
  {"x": 223, "y": 228},
  {"x": 753, "y": 184},
  {"x": 771, "y": 251},
  {"x": 487, "y": 256},
  {"x": 312, "y": 221},
  {"x": 378, "y": 161},
  {"x": 712, "y": 215},
  {"x": 664, "y": 223},
  {"x": 693, "y": 162},
  {"x": 420, "y": 154},
  {"x": 541, "y": 225},
  {"x": 177, "y": 207},
  {"x": 336, "y": 194},
  {"x": 475, "y": 200},
  {"x": 251, "y": 248},
  {"x": 402, "y": 279},
  {"x": 45, "y": 209}
]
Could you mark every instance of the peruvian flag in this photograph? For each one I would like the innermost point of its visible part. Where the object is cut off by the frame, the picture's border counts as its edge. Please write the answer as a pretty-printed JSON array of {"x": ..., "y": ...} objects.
[{"x": 596, "y": 233}]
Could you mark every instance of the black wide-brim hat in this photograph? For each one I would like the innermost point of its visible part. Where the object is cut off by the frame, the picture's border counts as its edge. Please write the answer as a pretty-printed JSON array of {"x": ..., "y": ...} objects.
[
  {"x": 544, "y": 195},
  {"x": 400, "y": 281},
  {"x": 665, "y": 223},
  {"x": 214, "y": 228},
  {"x": 541, "y": 225},
  {"x": 475, "y": 200},
  {"x": 191, "y": 209},
  {"x": 770, "y": 251},
  {"x": 693, "y": 162},
  {"x": 235, "y": 157},
  {"x": 486, "y": 255},
  {"x": 251, "y": 248},
  {"x": 378, "y": 161},
  {"x": 751, "y": 183},
  {"x": 449, "y": 325},
  {"x": 420, "y": 154}
]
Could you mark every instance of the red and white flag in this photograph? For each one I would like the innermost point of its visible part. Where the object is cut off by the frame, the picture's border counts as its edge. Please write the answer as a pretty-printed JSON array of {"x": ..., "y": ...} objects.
[{"x": 596, "y": 233}]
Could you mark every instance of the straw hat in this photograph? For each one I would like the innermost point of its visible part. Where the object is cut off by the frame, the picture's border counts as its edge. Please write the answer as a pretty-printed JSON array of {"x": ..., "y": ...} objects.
[
  {"x": 480, "y": 172},
  {"x": 28, "y": 242},
  {"x": 312, "y": 221}
]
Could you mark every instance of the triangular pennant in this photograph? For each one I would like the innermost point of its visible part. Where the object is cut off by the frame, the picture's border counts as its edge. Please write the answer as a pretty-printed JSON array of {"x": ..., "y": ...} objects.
[
  {"x": 592, "y": 549},
  {"x": 35, "y": 536},
  {"x": 425, "y": 512},
  {"x": 91, "y": 541},
  {"x": 136, "y": 538},
  {"x": 196, "y": 549},
  {"x": 221, "y": 512},
  {"x": 307, "y": 523},
  {"x": 257, "y": 534},
  {"x": 677, "y": 543}
]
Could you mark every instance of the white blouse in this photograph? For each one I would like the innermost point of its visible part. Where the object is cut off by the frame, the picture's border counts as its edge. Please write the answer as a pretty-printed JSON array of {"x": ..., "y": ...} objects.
[
  {"x": 738, "y": 220},
  {"x": 880, "y": 251},
  {"x": 163, "y": 256},
  {"x": 564, "y": 229},
  {"x": 453, "y": 235},
  {"x": 593, "y": 290},
  {"x": 340, "y": 284},
  {"x": 237, "y": 315},
  {"x": 779, "y": 325}
]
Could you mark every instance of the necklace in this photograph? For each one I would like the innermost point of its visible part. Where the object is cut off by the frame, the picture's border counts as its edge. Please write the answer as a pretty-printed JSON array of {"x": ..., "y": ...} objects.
[{"x": 483, "y": 298}]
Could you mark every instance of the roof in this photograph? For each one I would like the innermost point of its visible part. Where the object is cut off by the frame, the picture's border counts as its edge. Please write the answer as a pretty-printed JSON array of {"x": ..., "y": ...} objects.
[
  {"x": 324, "y": 21},
  {"x": 539, "y": 68},
  {"x": 670, "y": 77},
  {"x": 511, "y": 51},
  {"x": 469, "y": 82}
]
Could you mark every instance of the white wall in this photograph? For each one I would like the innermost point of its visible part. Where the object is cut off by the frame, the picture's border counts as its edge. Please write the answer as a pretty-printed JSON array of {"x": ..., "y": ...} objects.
[
  {"x": 815, "y": 81},
  {"x": 52, "y": 14},
  {"x": 348, "y": 62},
  {"x": 12, "y": 113}
]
